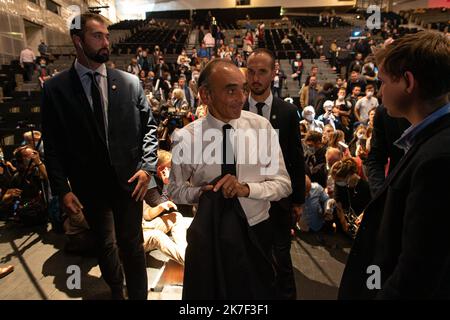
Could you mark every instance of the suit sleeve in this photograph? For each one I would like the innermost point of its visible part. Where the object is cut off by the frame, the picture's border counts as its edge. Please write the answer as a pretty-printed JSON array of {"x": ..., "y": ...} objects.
[
  {"x": 150, "y": 140},
  {"x": 423, "y": 265},
  {"x": 53, "y": 157},
  {"x": 378, "y": 154},
  {"x": 296, "y": 159}
]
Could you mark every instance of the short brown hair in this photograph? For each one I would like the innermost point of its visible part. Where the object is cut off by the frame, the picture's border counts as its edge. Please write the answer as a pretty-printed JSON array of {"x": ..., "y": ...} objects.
[
  {"x": 80, "y": 29},
  {"x": 343, "y": 168},
  {"x": 313, "y": 136},
  {"x": 426, "y": 55},
  {"x": 267, "y": 52}
]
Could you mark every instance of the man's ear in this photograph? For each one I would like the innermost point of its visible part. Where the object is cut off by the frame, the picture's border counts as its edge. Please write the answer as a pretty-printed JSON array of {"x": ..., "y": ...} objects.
[
  {"x": 204, "y": 94},
  {"x": 410, "y": 81}
]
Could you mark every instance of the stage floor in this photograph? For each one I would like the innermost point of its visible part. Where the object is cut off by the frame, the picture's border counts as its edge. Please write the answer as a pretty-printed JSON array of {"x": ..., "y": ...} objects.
[{"x": 41, "y": 267}]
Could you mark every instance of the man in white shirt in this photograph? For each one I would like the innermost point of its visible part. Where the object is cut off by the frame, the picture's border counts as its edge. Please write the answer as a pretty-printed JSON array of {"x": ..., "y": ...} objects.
[
  {"x": 365, "y": 104},
  {"x": 27, "y": 61},
  {"x": 222, "y": 87}
]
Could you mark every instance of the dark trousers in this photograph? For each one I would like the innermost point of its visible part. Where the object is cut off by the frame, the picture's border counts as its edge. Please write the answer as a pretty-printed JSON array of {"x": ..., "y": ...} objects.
[
  {"x": 277, "y": 92},
  {"x": 28, "y": 71},
  {"x": 280, "y": 218},
  {"x": 116, "y": 222}
]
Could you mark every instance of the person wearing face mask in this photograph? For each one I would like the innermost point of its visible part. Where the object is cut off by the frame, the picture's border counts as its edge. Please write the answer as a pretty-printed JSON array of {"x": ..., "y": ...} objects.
[
  {"x": 365, "y": 104},
  {"x": 352, "y": 194},
  {"x": 308, "y": 115},
  {"x": 315, "y": 158},
  {"x": 357, "y": 145},
  {"x": 297, "y": 68},
  {"x": 328, "y": 117}
]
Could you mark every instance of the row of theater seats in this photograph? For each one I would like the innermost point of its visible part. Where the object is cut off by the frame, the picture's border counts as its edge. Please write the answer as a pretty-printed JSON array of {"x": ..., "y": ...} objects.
[
  {"x": 273, "y": 39},
  {"x": 150, "y": 38},
  {"x": 19, "y": 112},
  {"x": 314, "y": 21}
]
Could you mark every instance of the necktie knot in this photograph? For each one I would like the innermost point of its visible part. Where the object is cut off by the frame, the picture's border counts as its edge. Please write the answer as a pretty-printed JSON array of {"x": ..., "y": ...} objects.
[{"x": 260, "y": 106}]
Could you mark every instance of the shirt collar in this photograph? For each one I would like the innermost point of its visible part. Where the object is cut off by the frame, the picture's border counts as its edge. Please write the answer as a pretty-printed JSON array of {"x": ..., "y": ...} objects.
[
  {"x": 216, "y": 123},
  {"x": 82, "y": 70},
  {"x": 408, "y": 137},
  {"x": 268, "y": 102}
]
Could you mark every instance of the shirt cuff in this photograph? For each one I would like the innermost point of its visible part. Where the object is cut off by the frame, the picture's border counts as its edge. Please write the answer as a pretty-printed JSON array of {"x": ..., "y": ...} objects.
[{"x": 255, "y": 190}]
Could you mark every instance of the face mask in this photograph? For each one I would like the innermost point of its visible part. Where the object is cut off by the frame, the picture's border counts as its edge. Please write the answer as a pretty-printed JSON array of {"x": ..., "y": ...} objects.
[
  {"x": 341, "y": 97},
  {"x": 298, "y": 57},
  {"x": 360, "y": 136},
  {"x": 369, "y": 94},
  {"x": 43, "y": 65},
  {"x": 309, "y": 117},
  {"x": 169, "y": 78},
  {"x": 341, "y": 183}
]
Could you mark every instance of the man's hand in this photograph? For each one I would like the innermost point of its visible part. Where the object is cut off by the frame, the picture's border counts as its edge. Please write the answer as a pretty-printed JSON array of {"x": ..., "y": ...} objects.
[
  {"x": 297, "y": 210},
  {"x": 231, "y": 187},
  {"x": 35, "y": 157},
  {"x": 10, "y": 195},
  {"x": 71, "y": 204},
  {"x": 359, "y": 219},
  {"x": 142, "y": 185}
]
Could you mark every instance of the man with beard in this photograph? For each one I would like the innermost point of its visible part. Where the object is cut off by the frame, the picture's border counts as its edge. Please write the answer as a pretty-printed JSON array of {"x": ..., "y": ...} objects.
[
  {"x": 100, "y": 140},
  {"x": 283, "y": 116},
  {"x": 401, "y": 249}
]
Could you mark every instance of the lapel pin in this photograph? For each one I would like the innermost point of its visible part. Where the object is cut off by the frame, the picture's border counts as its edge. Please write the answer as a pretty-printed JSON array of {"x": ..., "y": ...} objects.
[
  {"x": 274, "y": 117},
  {"x": 114, "y": 87}
]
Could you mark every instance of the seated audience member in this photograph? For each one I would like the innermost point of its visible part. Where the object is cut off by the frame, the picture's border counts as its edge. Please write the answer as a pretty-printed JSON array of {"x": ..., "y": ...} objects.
[
  {"x": 32, "y": 181},
  {"x": 160, "y": 216},
  {"x": 309, "y": 122},
  {"x": 318, "y": 207},
  {"x": 159, "y": 219},
  {"x": 352, "y": 194},
  {"x": 332, "y": 156}
]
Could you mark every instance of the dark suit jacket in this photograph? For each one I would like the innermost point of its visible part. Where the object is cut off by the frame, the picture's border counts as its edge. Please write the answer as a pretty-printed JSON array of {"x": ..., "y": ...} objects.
[
  {"x": 223, "y": 257},
  {"x": 74, "y": 149},
  {"x": 386, "y": 130},
  {"x": 405, "y": 227},
  {"x": 284, "y": 117}
]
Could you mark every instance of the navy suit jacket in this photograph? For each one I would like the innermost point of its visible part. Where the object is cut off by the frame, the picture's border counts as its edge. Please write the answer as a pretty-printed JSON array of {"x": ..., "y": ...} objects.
[{"x": 75, "y": 151}]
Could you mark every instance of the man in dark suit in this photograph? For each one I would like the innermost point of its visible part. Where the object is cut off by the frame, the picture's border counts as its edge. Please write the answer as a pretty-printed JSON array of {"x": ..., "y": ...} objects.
[
  {"x": 401, "y": 249},
  {"x": 284, "y": 117},
  {"x": 100, "y": 141},
  {"x": 386, "y": 130}
]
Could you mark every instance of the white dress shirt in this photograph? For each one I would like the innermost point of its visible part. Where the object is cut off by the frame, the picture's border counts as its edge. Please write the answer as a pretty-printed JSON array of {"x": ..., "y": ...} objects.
[
  {"x": 266, "y": 109},
  {"x": 102, "y": 80},
  {"x": 187, "y": 177}
]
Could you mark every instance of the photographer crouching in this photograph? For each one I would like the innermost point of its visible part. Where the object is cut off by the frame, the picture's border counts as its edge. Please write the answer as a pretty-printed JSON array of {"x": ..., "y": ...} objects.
[{"x": 26, "y": 195}]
